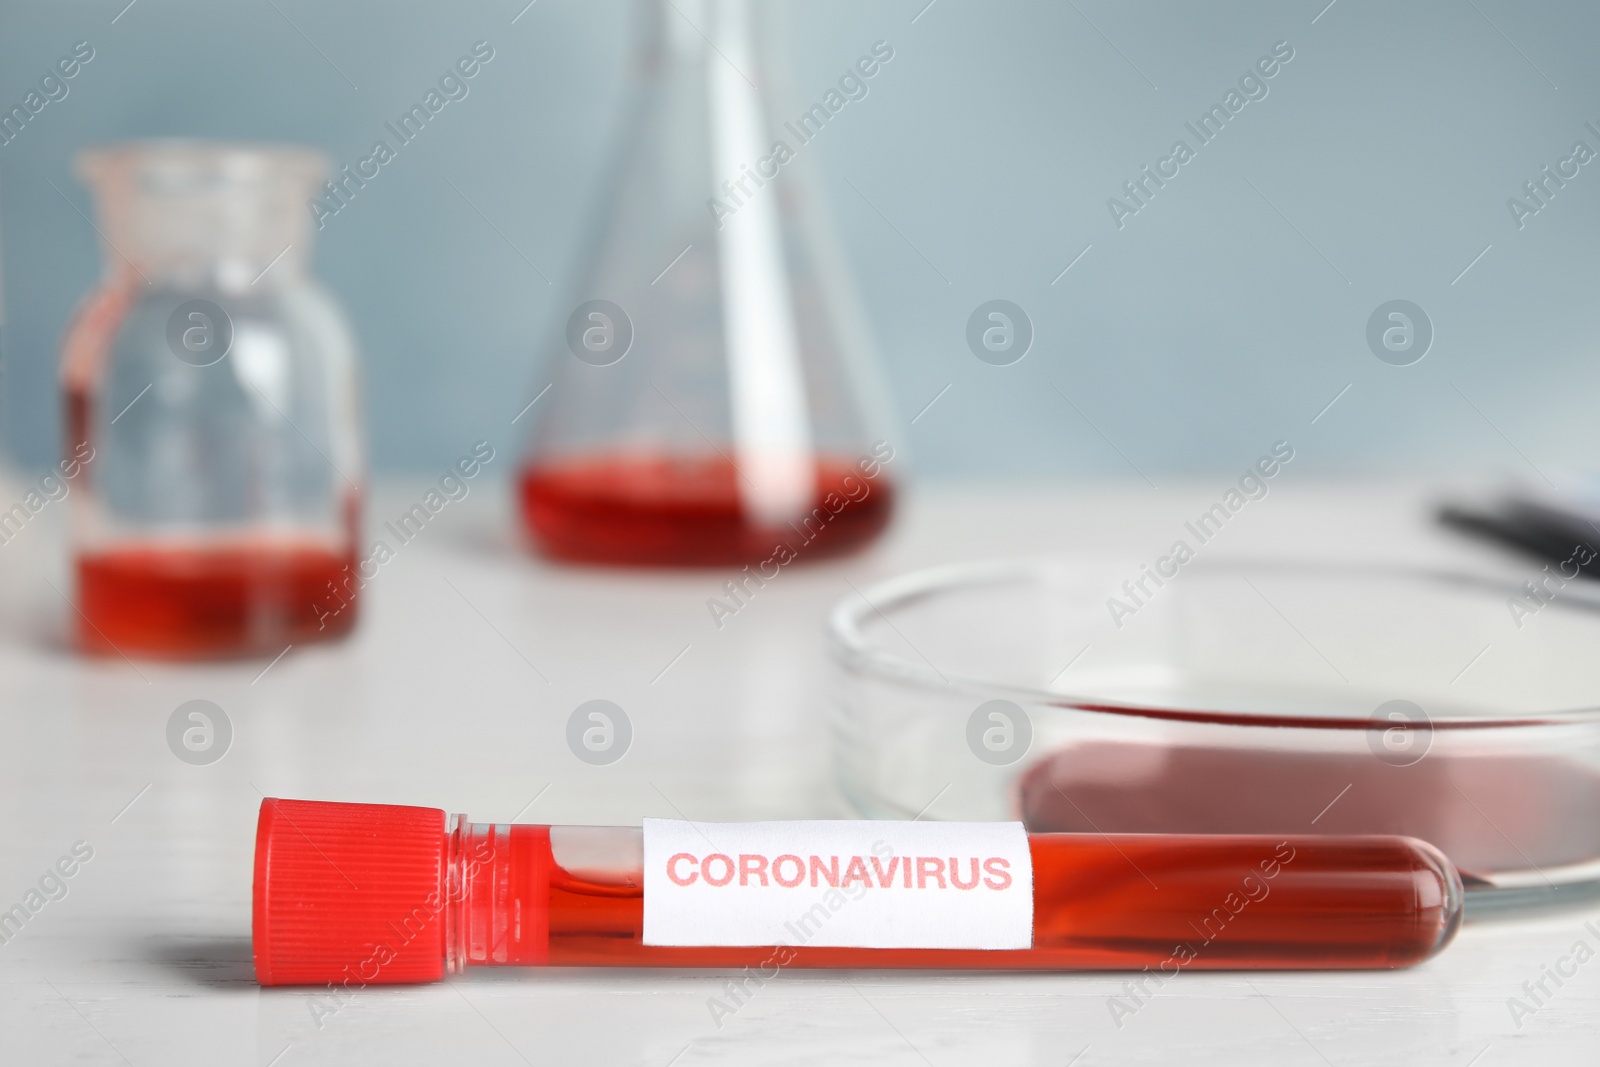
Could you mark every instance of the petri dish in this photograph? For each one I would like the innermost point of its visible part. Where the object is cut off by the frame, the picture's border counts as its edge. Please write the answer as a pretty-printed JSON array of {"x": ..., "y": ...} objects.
[{"x": 1237, "y": 697}]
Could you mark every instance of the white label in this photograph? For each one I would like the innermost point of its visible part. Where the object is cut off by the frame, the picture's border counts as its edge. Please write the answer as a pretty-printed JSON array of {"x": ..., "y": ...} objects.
[{"x": 838, "y": 884}]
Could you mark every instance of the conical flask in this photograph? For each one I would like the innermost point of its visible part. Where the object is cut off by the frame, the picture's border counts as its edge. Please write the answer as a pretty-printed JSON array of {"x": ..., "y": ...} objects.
[{"x": 714, "y": 397}]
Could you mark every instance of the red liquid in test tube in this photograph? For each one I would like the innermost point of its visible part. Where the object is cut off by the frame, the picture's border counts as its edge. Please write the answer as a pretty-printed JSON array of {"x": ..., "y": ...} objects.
[{"x": 357, "y": 894}]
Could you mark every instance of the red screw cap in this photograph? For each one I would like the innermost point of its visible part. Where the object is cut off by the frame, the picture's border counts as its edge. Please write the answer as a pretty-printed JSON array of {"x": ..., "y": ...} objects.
[{"x": 352, "y": 894}]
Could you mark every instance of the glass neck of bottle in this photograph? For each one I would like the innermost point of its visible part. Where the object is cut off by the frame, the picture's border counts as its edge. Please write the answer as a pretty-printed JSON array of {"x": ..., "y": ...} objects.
[
  {"x": 184, "y": 244},
  {"x": 203, "y": 217},
  {"x": 229, "y": 273}
]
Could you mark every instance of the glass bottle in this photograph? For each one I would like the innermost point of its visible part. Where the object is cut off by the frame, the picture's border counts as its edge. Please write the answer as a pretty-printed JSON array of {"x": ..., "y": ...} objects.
[
  {"x": 211, "y": 402},
  {"x": 713, "y": 396}
]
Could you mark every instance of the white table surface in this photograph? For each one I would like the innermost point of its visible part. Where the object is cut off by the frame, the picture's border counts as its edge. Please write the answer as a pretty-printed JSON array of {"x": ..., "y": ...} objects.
[{"x": 455, "y": 693}]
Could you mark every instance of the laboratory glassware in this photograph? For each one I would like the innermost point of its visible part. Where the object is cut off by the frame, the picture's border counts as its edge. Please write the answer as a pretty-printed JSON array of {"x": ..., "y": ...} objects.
[
  {"x": 710, "y": 394},
  {"x": 211, "y": 398},
  {"x": 1237, "y": 696},
  {"x": 350, "y": 895}
]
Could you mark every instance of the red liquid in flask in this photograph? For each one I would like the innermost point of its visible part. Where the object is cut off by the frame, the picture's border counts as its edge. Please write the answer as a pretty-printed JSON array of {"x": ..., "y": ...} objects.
[
  {"x": 212, "y": 600},
  {"x": 623, "y": 509}
]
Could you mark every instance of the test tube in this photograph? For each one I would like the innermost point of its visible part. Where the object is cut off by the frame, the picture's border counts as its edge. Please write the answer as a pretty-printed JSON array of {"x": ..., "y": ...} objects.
[{"x": 351, "y": 895}]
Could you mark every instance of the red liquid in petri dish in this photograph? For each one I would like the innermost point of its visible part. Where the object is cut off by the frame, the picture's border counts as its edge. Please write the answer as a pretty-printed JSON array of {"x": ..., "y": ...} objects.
[
  {"x": 1541, "y": 806},
  {"x": 212, "y": 601},
  {"x": 647, "y": 510}
]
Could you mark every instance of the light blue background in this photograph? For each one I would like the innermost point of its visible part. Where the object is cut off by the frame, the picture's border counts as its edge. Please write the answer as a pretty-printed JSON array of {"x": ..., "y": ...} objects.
[{"x": 1207, "y": 328}]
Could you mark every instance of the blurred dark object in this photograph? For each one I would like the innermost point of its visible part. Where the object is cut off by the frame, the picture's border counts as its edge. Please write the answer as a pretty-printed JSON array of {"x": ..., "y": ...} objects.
[{"x": 1543, "y": 530}]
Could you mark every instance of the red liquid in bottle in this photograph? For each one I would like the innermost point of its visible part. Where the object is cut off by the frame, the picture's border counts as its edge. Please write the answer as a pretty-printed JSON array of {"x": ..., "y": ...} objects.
[
  {"x": 203, "y": 601},
  {"x": 688, "y": 512}
]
